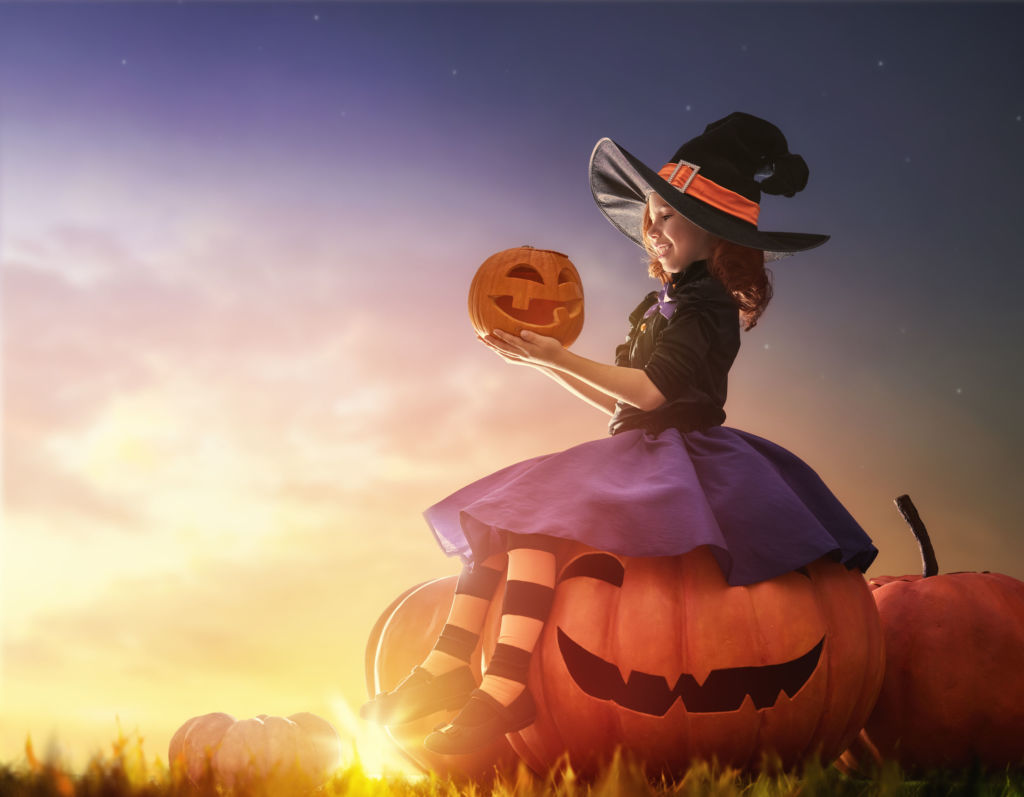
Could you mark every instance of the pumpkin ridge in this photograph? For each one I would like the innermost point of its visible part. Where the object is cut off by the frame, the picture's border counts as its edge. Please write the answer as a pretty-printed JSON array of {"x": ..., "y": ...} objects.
[
  {"x": 840, "y": 703},
  {"x": 858, "y": 708},
  {"x": 1008, "y": 599},
  {"x": 870, "y": 681},
  {"x": 617, "y": 720},
  {"x": 757, "y": 642},
  {"x": 825, "y": 715},
  {"x": 683, "y": 587}
]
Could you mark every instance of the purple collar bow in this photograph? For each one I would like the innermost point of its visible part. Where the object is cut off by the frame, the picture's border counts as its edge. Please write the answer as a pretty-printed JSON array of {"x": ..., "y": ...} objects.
[{"x": 664, "y": 305}]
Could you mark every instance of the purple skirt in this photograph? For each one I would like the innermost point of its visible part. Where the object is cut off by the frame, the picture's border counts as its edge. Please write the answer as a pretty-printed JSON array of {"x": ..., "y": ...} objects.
[{"x": 761, "y": 509}]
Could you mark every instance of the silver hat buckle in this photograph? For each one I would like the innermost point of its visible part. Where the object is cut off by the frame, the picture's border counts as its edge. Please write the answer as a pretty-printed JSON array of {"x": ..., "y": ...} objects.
[{"x": 689, "y": 179}]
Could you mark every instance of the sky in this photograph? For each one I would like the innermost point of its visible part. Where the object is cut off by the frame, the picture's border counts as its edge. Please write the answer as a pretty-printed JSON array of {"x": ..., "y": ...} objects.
[{"x": 236, "y": 242}]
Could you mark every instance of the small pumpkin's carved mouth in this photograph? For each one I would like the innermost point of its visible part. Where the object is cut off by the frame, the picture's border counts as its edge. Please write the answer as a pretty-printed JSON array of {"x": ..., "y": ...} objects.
[
  {"x": 723, "y": 690},
  {"x": 539, "y": 312}
]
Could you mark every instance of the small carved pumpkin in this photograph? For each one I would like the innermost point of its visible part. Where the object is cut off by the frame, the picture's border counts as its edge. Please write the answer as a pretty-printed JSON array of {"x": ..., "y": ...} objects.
[
  {"x": 660, "y": 656},
  {"x": 527, "y": 288},
  {"x": 401, "y": 639},
  {"x": 292, "y": 754},
  {"x": 953, "y": 693}
]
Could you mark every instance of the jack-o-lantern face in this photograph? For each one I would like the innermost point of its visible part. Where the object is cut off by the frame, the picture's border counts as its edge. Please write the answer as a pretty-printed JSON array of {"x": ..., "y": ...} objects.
[
  {"x": 660, "y": 656},
  {"x": 724, "y": 689},
  {"x": 527, "y": 288}
]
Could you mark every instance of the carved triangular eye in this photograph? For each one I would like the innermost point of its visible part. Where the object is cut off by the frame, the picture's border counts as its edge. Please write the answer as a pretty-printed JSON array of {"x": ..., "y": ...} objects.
[
  {"x": 564, "y": 276},
  {"x": 602, "y": 566},
  {"x": 524, "y": 272}
]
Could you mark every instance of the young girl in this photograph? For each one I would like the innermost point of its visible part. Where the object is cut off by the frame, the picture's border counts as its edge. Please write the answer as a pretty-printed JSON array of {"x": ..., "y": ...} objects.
[{"x": 670, "y": 477}]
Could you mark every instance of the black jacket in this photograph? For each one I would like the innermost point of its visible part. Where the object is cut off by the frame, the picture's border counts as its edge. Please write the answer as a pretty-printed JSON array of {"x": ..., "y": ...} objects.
[{"x": 687, "y": 356}]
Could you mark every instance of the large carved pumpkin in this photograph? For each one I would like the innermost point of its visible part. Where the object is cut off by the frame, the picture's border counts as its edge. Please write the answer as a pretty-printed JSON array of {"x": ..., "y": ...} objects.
[
  {"x": 527, "y": 288},
  {"x": 281, "y": 755},
  {"x": 953, "y": 693},
  {"x": 662, "y": 657},
  {"x": 400, "y": 640}
]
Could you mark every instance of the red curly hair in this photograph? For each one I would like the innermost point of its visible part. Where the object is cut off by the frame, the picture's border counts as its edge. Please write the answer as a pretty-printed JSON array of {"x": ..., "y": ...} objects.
[{"x": 739, "y": 268}]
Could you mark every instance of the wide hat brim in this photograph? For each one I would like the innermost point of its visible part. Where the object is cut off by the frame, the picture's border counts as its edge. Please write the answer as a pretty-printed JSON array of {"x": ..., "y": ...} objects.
[{"x": 621, "y": 183}]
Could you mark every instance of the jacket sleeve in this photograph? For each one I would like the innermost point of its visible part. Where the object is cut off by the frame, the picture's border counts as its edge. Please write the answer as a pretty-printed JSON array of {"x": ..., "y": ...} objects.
[
  {"x": 683, "y": 347},
  {"x": 622, "y": 350}
]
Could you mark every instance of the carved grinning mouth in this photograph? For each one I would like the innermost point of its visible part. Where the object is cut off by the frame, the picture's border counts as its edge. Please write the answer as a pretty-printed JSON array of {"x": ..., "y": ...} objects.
[
  {"x": 723, "y": 690},
  {"x": 539, "y": 312}
]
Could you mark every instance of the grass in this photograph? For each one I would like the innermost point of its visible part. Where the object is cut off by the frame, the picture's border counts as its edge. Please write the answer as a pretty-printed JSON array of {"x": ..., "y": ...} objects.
[{"x": 125, "y": 771}]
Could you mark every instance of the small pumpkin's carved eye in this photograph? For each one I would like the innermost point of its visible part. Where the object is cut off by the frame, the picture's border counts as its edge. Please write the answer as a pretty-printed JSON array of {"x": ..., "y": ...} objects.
[
  {"x": 524, "y": 272},
  {"x": 602, "y": 566},
  {"x": 564, "y": 276}
]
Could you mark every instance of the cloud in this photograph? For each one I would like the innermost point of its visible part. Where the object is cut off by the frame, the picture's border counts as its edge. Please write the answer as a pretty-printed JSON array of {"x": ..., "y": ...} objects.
[{"x": 188, "y": 410}]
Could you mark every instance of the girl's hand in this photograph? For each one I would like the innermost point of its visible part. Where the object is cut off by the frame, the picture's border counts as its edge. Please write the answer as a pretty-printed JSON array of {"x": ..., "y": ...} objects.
[
  {"x": 529, "y": 347},
  {"x": 494, "y": 345}
]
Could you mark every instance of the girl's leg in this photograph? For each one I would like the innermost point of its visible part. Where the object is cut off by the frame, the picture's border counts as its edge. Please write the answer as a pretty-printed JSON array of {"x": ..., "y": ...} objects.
[
  {"x": 444, "y": 679},
  {"x": 461, "y": 632},
  {"x": 502, "y": 704},
  {"x": 529, "y": 592}
]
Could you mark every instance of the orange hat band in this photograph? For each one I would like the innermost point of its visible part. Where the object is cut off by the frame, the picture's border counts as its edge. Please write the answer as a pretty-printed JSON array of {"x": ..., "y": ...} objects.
[{"x": 684, "y": 176}]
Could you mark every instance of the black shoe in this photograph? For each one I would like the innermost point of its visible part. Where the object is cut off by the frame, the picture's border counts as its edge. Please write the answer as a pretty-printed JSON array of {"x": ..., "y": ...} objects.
[
  {"x": 481, "y": 723},
  {"x": 420, "y": 694}
]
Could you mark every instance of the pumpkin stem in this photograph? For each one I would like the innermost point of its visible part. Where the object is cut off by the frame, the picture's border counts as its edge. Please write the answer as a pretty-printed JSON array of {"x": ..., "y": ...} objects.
[{"x": 909, "y": 512}]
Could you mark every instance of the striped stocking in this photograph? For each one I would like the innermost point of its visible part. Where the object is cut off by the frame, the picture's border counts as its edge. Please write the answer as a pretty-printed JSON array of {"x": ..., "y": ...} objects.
[
  {"x": 461, "y": 632},
  {"x": 529, "y": 593}
]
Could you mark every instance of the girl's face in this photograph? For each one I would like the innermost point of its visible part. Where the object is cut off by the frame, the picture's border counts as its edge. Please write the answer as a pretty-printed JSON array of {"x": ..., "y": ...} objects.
[{"x": 673, "y": 239}]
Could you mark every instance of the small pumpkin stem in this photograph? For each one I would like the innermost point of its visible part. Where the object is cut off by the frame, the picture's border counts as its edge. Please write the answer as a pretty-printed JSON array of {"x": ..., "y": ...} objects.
[{"x": 909, "y": 512}]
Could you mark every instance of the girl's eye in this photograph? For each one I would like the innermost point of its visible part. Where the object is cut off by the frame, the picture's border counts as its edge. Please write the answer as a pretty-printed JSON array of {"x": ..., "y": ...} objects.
[{"x": 667, "y": 217}]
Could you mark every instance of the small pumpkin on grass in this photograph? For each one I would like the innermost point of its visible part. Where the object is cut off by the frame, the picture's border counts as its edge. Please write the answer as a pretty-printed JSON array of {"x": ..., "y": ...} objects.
[
  {"x": 527, "y": 288},
  {"x": 292, "y": 754},
  {"x": 195, "y": 743},
  {"x": 953, "y": 694}
]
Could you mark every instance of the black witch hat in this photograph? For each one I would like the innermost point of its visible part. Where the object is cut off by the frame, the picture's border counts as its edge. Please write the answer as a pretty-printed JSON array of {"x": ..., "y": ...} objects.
[{"x": 711, "y": 180}]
